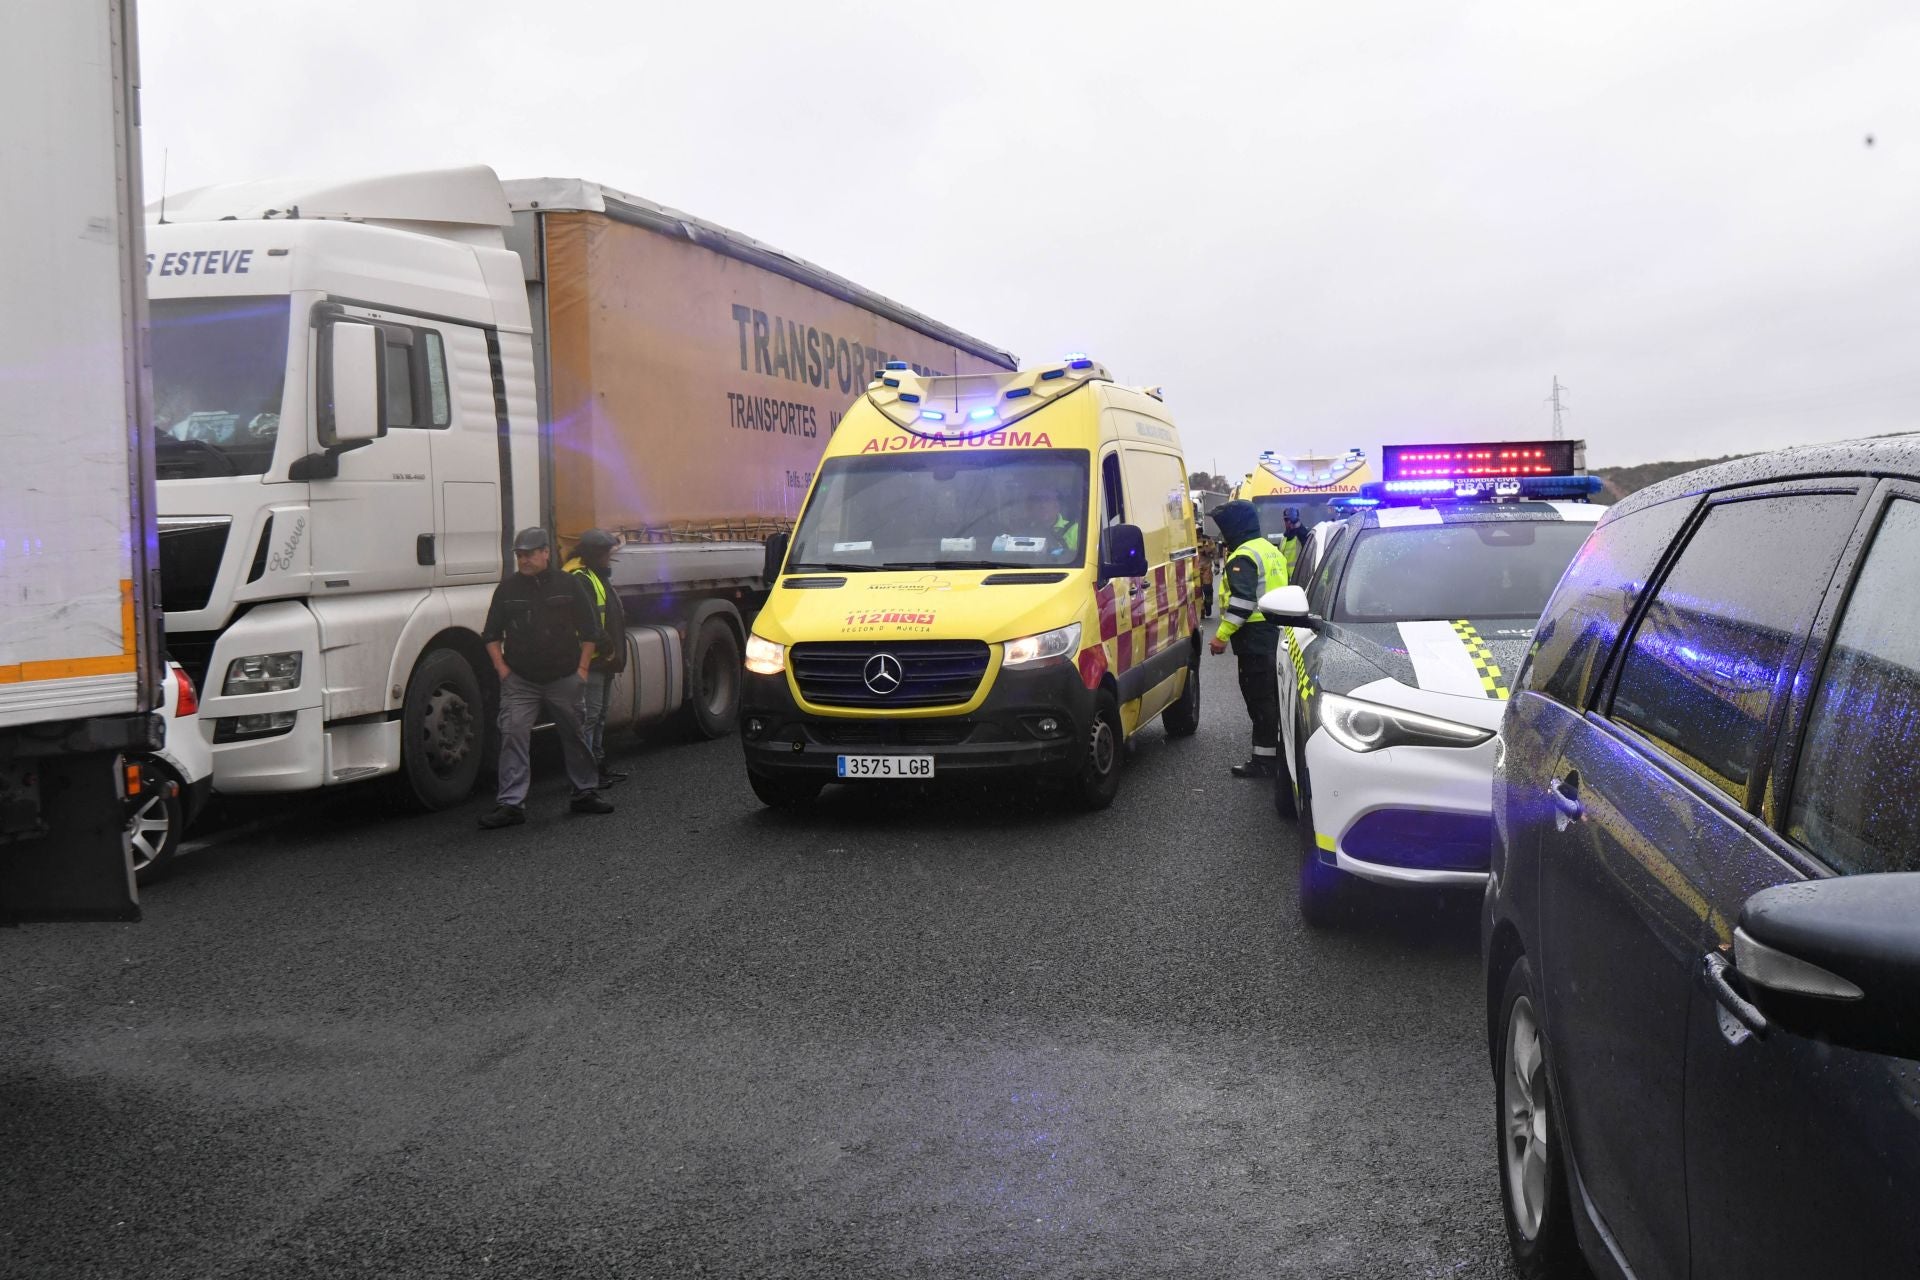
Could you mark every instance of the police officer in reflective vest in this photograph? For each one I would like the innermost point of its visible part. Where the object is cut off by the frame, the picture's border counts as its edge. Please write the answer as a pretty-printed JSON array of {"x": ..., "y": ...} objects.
[
  {"x": 592, "y": 563},
  {"x": 1254, "y": 567}
]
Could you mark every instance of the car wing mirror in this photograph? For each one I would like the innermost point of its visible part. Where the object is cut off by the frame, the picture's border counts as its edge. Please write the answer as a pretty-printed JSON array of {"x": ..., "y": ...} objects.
[
  {"x": 1836, "y": 960},
  {"x": 1288, "y": 607},
  {"x": 777, "y": 544}
]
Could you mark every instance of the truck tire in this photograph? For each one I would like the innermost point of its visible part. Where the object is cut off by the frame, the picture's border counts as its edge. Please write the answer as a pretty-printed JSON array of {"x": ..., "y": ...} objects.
[
  {"x": 1099, "y": 779},
  {"x": 1182, "y": 716},
  {"x": 713, "y": 681},
  {"x": 443, "y": 732}
]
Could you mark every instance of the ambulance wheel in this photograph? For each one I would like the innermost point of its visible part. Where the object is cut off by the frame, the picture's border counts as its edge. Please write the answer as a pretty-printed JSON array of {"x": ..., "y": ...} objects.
[
  {"x": 713, "y": 681},
  {"x": 1325, "y": 895},
  {"x": 1182, "y": 716},
  {"x": 443, "y": 732},
  {"x": 1099, "y": 780},
  {"x": 783, "y": 793}
]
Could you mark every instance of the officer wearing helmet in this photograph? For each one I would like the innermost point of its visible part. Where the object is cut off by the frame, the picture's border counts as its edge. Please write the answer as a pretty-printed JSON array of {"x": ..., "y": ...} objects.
[
  {"x": 592, "y": 563},
  {"x": 1254, "y": 567}
]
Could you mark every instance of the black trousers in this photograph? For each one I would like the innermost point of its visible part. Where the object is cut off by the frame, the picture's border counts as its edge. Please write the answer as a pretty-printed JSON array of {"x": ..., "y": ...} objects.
[{"x": 1260, "y": 686}]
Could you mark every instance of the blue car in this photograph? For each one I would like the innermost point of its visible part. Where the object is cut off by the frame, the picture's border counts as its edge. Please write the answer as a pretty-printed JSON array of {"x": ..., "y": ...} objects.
[{"x": 1702, "y": 926}]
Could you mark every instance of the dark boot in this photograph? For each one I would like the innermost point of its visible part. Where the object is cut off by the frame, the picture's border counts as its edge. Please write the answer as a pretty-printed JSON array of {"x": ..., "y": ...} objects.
[
  {"x": 610, "y": 777},
  {"x": 1257, "y": 767},
  {"x": 505, "y": 815},
  {"x": 590, "y": 802}
]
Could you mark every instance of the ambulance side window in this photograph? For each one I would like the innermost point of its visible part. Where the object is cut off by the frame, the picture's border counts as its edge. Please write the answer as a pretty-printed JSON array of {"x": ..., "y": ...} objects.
[{"x": 1114, "y": 505}]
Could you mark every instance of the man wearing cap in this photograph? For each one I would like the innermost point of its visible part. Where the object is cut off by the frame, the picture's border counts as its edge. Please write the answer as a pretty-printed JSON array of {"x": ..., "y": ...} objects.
[
  {"x": 592, "y": 563},
  {"x": 541, "y": 635},
  {"x": 1295, "y": 540}
]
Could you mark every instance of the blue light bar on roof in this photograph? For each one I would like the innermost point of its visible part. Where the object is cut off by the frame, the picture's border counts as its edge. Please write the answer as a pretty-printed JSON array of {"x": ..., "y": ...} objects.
[
  {"x": 898, "y": 366},
  {"x": 1541, "y": 488}
]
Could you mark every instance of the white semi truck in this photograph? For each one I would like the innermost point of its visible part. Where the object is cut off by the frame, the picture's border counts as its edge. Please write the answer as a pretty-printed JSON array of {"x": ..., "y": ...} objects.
[
  {"x": 362, "y": 389},
  {"x": 80, "y": 671}
]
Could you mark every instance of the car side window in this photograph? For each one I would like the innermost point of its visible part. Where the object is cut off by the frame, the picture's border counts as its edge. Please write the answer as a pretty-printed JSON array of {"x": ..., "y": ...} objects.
[
  {"x": 1583, "y": 619},
  {"x": 1856, "y": 795},
  {"x": 1321, "y": 590},
  {"x": 1704, "y": 668}
]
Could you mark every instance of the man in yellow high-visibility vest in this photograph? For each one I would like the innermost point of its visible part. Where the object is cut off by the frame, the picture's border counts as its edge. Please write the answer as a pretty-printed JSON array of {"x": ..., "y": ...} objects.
[
  {"x": 592, "y": 563},
  {"x": 1254, "y": 567}
]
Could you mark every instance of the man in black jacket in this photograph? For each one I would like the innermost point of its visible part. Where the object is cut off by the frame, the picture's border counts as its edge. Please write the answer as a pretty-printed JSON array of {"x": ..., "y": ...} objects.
[
  {"x": 1254, "y": 567},
  {"x": 592, "y": 563},
  {"x": 541, "y": 634}
]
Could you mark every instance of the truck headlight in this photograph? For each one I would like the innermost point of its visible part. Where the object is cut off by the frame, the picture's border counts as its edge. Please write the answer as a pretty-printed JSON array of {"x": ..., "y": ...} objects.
[
  {"x": 263, "y": 673},
  {"x": 1061, "y": 642},
  {"x": 1363, "y": 726},
  {"x": 764, "y": 657}
]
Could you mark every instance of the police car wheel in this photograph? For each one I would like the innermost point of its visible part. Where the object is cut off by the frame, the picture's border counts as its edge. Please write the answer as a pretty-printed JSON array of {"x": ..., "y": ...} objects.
[
  {"x": 1325, "y": 895},
  {"x": 1533, "y": 1183},
  {"x": 783, "y": 793},
  {"x": 1099, "y": 780}
]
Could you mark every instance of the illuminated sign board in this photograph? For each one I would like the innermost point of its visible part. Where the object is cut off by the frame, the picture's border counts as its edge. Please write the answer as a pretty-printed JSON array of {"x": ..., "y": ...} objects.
[{"x": 1491, "y": 460}]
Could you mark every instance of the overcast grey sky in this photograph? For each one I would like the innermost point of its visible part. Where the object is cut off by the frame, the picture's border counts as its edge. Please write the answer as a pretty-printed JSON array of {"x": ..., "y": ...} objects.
[{"x": 1315, "y": 224}]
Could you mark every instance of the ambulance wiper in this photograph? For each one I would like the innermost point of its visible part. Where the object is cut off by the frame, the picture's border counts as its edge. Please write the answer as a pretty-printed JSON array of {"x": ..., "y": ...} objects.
[
  {"x": 833, "y": 566},
  {"x": 955, "y": 564}
]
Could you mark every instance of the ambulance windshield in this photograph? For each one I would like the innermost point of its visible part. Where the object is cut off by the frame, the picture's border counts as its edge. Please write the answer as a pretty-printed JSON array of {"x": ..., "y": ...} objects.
[
  {"x": 219, "y": 369},
  {"x": 943, "y": 509}
]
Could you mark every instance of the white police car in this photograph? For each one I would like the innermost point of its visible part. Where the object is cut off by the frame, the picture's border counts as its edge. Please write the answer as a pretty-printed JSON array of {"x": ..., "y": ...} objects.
[{"x": 1408, "y": 620}]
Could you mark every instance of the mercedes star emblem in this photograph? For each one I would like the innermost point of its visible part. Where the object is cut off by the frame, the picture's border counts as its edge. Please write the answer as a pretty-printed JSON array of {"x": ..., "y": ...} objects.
[{"x": 882, "y": 673}]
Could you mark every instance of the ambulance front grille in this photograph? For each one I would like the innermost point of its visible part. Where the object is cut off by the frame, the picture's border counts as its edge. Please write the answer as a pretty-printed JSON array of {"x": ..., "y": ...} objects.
[{"x": 931, "y": 673}]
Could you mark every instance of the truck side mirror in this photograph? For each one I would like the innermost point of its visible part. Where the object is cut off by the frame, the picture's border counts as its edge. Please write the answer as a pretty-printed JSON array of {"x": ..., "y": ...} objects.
[
  {"x": 353, "y": 401},
  {"x": 1123, "y": 552},
  {"x": 1288, "y": 607},
  {"x": 777, "y": 544}
]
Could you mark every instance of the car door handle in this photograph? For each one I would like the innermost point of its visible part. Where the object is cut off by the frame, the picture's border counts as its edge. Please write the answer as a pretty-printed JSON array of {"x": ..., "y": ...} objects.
[
  {"x": 1567, "y": 805},
  {"x": 1714, "y": 969}
]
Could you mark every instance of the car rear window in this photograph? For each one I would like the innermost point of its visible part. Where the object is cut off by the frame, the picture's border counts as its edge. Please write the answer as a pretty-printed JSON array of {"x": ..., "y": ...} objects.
[
  {"x": 1856, "y": 797},
  {"x": 1483, "y": 569},
  {"x": 1583, "y": 620},
  {"x": 1704, "y": 668}
]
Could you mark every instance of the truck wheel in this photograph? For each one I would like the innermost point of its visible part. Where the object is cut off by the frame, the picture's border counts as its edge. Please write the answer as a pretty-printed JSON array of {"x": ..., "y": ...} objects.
[
  {"x": 155, "y": 822},
  {"x": 713, "y": 681},
  {"x": 1099, "y": 780},
  {"x": 443, "y": 732},
  {"x": 783, "y": 793},
  {"x": 1182, "y": 717}
]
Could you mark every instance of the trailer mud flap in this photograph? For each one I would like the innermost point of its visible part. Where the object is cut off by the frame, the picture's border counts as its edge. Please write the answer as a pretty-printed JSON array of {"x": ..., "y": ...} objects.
[{"x": 83, "y": 872}]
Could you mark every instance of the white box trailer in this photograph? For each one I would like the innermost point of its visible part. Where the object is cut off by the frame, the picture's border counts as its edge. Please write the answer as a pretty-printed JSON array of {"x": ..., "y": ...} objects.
[{"x": 79, "y": 628}]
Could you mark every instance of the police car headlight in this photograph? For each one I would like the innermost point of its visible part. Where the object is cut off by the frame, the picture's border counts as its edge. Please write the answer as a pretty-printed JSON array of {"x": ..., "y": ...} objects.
[
  {"x": 764, "y": 657},
  {"x": 263, "y": 673},
  {"x": 1363, "y": 726},
  {"x": 1061, "y": 642}
]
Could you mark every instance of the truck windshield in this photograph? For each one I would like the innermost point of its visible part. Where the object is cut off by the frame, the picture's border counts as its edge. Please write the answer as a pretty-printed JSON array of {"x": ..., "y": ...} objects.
[
  {"x": 219, "y": 371},
  {"x": 1496, "y": 569},
  {"x": 942, "y": 510}
]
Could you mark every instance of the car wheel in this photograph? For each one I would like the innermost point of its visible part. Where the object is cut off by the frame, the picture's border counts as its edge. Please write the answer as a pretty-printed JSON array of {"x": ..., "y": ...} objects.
[
  {"x": 156, "y": 820},
  {"x": 1326, "y": 896},
  {"x": 443, "y": 731},
  {"x": 713, "y": 681},
  {"x": 1533, "y": 1181},
  {"x": 783, "y": 793},
  {"x": 1099, "y": 780},
  {"x": 1286, "y": 796},
  {"x": 1182, "y": 717}
]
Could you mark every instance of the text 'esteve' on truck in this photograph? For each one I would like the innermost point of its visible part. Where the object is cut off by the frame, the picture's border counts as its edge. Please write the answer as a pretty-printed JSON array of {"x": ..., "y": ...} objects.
[{"x": 362, "y": 389}]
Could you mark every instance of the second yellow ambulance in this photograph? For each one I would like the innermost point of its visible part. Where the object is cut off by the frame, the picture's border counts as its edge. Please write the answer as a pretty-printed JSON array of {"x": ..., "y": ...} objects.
[{"x": 992, "y": 574}]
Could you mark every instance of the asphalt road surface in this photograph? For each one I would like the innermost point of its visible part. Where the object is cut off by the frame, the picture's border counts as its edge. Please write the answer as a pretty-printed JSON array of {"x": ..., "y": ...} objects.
[{"x": 963, "y": 1034}]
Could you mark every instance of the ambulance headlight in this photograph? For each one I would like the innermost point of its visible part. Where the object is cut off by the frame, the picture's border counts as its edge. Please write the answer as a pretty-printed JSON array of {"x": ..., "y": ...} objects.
[
  {"x": 764, "y": 657},
  {"x": 1364, "y": 726},
  {"x": 1027, "y": 651}
]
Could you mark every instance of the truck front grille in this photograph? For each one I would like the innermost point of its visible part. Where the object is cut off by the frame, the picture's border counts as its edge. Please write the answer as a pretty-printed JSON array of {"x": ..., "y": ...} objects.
[
  {"x": 884, "y": 674},
  {"x": 190, "y": 552}
]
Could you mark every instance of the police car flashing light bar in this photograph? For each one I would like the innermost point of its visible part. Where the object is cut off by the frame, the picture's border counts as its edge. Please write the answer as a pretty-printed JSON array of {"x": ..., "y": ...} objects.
[{"x": 1541, "y": 469}]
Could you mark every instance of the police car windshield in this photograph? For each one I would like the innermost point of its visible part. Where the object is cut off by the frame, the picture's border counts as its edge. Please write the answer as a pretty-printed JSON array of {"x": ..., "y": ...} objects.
[
  {"x": 219, "y": 370},
  {"x": 1003, "y": 508},
  {"x": 1495, "y": 569}
]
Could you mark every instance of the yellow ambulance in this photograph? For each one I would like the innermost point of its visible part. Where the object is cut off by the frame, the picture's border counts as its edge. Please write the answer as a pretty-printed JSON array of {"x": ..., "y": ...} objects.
[{"x": 993, "y": 575}]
